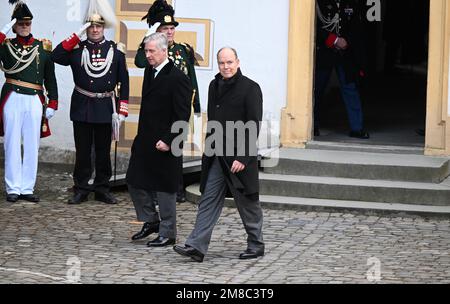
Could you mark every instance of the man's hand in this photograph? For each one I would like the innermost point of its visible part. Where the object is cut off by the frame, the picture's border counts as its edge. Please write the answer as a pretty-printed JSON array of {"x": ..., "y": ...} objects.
[
  {"x": 83, "y": 29},
  {"x": 237, "y": 167},
  {"x": 49, "y": 113},
  {"x": 5, "y": 30},
  {"x": 162, "y": 146},
  {"x": 152, "y": 29},
  {"x": 341, "y": 44},
  {"x": 121, "y": 118}
]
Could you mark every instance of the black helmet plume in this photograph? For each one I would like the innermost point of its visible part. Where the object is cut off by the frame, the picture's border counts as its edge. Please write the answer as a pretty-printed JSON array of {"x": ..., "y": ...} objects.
[
  {"x": 162, "y": 12},
  {"x": 21, "y": 10}
]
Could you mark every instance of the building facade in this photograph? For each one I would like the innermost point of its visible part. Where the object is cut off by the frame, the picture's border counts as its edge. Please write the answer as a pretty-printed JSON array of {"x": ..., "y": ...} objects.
[{"x": 275, "y": 41}]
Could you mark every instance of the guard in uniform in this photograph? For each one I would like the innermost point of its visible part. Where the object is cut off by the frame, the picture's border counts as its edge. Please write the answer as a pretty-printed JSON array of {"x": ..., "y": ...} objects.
[
  {"x": 24, "y": 110},
  {"x": 98, "y": 66},
  {"x": 160, "y": 18},
  {"x": 340, "y": 46}
]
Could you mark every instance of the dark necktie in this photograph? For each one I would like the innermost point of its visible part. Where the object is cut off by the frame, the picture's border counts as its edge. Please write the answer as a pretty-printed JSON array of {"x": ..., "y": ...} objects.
[{"x": 153, "y": 73}]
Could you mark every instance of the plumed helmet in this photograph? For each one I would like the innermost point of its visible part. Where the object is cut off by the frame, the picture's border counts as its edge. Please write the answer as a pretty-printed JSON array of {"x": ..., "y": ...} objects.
[
  {"x": 162, "y": 12},
  {"x": 21, "y": 10},
  {"x": 100, "y": 12}
]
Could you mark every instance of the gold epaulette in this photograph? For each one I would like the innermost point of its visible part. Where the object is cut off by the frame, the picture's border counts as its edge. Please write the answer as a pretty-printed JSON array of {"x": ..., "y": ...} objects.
[
  {"x": 6, "y": 41},
  {"x": 47, "y": 44},
  {"x": 122, "y": 47},
  {"x": 187, "y": 47}
]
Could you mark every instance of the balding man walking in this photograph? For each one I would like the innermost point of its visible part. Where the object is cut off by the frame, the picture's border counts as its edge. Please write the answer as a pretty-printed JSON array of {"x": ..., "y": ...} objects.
[{"x": 230, "y": 162}]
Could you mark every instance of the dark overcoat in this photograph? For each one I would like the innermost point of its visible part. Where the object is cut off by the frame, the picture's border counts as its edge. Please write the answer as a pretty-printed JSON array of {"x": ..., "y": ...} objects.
[
  {"x": 238, "y": 100},
  {"x": 165, "y": 100}
]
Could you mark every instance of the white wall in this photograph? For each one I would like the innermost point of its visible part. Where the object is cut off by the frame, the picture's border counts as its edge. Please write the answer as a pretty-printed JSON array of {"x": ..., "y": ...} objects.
[{"x": 258, "y": 29}]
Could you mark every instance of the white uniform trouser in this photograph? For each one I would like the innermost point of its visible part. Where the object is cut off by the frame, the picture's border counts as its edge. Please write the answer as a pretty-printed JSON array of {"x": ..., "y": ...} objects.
[{"x": 22, "y": 117}]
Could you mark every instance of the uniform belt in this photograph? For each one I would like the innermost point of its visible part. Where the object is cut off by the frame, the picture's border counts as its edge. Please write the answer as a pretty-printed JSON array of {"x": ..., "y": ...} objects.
[
  {"x": 24, "y": 84},
  {"x": 94, "y": 95}
]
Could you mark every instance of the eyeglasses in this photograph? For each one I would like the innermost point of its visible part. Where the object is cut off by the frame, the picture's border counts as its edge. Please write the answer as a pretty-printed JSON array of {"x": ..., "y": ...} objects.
[{"x": 26, "y": 23}]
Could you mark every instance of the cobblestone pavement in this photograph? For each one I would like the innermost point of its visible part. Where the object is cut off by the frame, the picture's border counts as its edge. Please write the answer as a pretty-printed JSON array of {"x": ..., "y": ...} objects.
[{"x": 52, "y": 242}]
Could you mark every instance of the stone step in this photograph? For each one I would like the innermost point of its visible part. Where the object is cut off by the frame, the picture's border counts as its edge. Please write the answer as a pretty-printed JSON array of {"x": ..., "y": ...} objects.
[
  {"x": 358, "y": 165},
  {"x": 327, "y": 205},
  {"x": 366, "y": 147},
  {"x": 336, "y": 188}
]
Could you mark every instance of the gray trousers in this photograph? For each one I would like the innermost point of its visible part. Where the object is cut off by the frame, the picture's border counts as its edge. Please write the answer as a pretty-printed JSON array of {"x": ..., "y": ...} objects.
[
  {"x": 145, "y": 205},
  {"x": 210, "y": 208}
]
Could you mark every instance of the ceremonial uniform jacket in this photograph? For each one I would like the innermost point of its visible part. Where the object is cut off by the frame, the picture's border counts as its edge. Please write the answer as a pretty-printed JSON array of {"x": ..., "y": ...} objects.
[
  {"x": 84, "y": 108},
  {"x": 39, "y": 73},
  {"x": 182, "y": 55},
  {"x": 343, "y": 18}
]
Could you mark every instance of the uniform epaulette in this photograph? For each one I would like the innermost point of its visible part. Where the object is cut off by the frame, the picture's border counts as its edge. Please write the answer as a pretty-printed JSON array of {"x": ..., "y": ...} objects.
[
  {"x": 46, "y": 44},
  {"x": 122, "y": 47},
  {"x": 190, "y": 52}
]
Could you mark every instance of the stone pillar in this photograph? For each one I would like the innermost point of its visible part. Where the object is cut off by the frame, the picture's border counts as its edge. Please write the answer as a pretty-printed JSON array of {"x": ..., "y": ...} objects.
[{"x": 296, "y": 117}]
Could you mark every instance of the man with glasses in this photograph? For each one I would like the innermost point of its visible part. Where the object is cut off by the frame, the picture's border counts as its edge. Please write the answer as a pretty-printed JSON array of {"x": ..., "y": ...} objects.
[{"x": 24, "y": 112}]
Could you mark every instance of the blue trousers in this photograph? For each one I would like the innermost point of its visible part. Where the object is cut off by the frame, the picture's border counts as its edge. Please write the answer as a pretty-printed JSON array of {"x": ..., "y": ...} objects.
[{"x": 349, "y": 93}]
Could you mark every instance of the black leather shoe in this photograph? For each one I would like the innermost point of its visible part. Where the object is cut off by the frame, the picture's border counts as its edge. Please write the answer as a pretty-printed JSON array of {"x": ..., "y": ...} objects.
[
  {"x": 29, "y": 198},
  {"x": 105, "y": 197},
  {"x": 359, "y": 134},
  {"x": 147, "y": 229},
  {"x": 189, "y": 252},
  {"x": 161, "y": 241},
  {"x": 251, "y": 254},
  {"x": 12, "y": 198},
  {"x": 78, "y": 198}
]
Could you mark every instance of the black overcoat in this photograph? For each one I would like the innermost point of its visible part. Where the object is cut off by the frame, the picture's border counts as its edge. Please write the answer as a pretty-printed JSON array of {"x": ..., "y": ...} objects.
[
  {"x": 240, "y": 100},
  {"x": 165, "y": 100}
]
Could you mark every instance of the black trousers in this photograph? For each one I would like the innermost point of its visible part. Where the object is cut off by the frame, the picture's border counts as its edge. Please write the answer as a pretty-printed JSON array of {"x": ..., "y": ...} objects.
[{"x": 86, "y": 136}]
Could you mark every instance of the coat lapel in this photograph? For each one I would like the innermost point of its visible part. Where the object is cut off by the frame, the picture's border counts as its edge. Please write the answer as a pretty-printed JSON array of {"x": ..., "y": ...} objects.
[{"x": 151, "y": 84}]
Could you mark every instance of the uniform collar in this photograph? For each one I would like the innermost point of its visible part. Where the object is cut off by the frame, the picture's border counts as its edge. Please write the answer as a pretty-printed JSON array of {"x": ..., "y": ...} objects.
[
  {"x": 25, "y": 40},
  {"x": 96, "y": 43}
]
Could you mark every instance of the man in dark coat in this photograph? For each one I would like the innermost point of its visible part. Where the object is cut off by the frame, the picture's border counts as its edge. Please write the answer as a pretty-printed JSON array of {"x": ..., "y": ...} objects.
[
  {"x": 340, "y": 46},
  {"x": 155, "y": 168},
  {"x": 160, "y": 18},
  {"x": 98, "y": 66},
  {"x": 230, "y": 161}
]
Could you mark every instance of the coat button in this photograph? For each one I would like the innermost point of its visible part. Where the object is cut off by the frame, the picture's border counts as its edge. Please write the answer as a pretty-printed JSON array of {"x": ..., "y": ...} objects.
[{"x": 218, "y": 106}]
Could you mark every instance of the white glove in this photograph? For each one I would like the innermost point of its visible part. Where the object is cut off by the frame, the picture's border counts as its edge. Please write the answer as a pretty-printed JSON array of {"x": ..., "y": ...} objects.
[
  {"x": 5, "y": 30},
  {"x": 83, "y": 29},
  {"x": 49, "y": 113},
  {"x": 121, "y": 118},
  {"x": 153, "y": 29}
]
